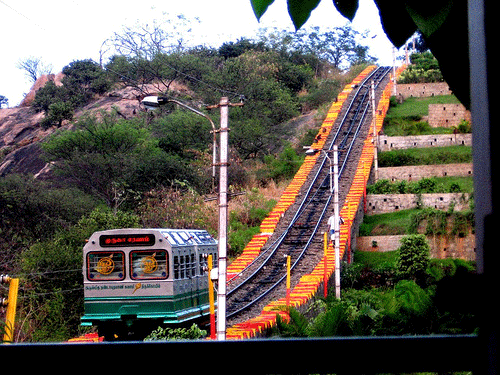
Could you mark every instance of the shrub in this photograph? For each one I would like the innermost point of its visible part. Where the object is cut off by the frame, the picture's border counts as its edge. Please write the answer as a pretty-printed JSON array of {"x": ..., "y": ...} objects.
[
  {"x": 282, "y": 167},
  {"x": 413, "y": 257},
  {"x": 164, "y": 334}
]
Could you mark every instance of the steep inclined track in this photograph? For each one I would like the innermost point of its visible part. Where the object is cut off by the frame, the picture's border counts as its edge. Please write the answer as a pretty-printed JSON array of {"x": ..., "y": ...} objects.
[{"x": 299, "y": 232}]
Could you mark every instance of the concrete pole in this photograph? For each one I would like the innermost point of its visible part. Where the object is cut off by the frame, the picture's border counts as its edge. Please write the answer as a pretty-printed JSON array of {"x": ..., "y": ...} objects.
[
  {"x": 394, "y": 89},
  {"x": 221, "y": 293},
  {"x": 336, "y": 212},
  {"x": 375, "y": 135}
]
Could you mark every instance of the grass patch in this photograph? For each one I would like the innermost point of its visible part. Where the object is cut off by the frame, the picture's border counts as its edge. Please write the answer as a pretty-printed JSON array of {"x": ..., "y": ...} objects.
[
  {"x": 376, "y": 260},
  {"x": 448, "y": 184},
  {"x": 425, "y": 156},
  {"x": 420, "y": 106},
  {"x": 406, "y": 118},
  {"x": 392, "y": 223},
  {"x": 402, "y": 126}
]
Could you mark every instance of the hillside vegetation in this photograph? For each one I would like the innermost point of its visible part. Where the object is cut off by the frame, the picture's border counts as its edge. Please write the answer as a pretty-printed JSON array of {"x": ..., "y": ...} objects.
[{"x": 153, "y": 168}]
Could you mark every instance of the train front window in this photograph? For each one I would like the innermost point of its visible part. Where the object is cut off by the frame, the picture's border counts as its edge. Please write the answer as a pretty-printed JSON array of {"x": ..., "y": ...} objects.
[
  {"x": 105, "y": 266},
  {"x": 148, "y": 264}
]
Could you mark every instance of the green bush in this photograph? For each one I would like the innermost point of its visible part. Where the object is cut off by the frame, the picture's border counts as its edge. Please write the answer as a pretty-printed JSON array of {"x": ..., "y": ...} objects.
[
  {"x": 413, "y": 257},
  {"x": 282, "y": 167},
  {"x": 167, "y": 333},
  {"x": 425, "y": 156}
]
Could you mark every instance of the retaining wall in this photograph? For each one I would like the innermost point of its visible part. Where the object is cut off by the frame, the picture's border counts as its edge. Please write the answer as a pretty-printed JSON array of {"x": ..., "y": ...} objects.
[
  {"x": 386, "y": 143},
  {"x": 442, "y": 246},
  {"x": 417, "y": 172},
  {"x": 447, "y": 115},
  {"x": 382, "y": 203},
  {"x": 420, "y": 90}
]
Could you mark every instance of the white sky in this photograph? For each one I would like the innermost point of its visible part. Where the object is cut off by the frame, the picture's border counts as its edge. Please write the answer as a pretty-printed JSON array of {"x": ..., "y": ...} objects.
[{"x": 62, "y": 31}]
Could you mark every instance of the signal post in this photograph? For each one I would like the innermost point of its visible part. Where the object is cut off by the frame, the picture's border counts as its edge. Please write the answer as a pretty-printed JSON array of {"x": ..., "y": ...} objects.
[{"x": 11, "y": 303}]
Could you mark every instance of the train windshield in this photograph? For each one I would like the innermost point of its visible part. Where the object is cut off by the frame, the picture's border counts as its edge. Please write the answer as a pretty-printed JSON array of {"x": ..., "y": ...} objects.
[
  {"x": 148, "y": 264},
  {"x": 105, "y": 266}
]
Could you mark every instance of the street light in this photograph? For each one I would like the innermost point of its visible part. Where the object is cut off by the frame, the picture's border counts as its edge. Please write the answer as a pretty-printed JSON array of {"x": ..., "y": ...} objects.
[
  {"x": 156, "y": 101},
  {"x": 334, "y": 189}
]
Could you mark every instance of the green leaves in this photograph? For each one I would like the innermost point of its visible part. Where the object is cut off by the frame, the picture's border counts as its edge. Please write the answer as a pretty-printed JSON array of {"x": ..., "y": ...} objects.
[
  {"x": 429, "y": 16},
  {"x": 442, "y": 22},
  {"x": 260, "y": 7},
  {"x": 299, "y": 10},
  {"x": 347, "y": 8},
  {"x": 396, "y": 22}
]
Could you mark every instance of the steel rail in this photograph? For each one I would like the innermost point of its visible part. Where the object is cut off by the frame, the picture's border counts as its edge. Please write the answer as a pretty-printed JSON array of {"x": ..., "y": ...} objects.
[{"x": 361, "y": 107}]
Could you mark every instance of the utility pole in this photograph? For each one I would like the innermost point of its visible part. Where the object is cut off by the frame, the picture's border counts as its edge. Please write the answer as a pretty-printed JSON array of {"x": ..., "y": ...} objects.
[
  {"x": 222, "y": 239},
  {"x": 336, "y": 212},
  {"x": 224, "y": 104},
  {"x": 375, "y": 135},
  {"x": 221, "y": 292},
  {"x": 394, "y": 89}
]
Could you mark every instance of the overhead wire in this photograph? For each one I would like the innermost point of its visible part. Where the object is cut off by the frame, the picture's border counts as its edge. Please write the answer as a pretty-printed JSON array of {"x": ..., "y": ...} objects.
[
  {"x": 22, "y": 15},
  {"x": 233, "y": 94}
]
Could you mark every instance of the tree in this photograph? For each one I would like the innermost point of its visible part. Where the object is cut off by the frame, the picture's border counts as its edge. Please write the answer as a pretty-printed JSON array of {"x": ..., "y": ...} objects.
[
  {"x": 4, "y": 101},
  {"x": 115, "y": 160},
  {"x": 338, "y": 46},
  {"x": 413, "y": 257},
  {"x": 57, "y": 113},
  {"x": 34, "y": 67},
  {"x": 99, "y": 157},
  {"x": 82, "y": 80},
  {"x": 424, "y": 68},
  {"x": 443, "y": 24}
]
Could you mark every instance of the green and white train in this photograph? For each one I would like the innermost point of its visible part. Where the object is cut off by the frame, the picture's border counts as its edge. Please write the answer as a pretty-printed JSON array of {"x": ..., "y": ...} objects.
[{"x": 138, "y": 279}]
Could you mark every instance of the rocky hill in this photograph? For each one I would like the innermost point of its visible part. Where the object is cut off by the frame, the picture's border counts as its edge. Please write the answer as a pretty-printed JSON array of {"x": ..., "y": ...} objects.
[{"x": 21, "y": 131}]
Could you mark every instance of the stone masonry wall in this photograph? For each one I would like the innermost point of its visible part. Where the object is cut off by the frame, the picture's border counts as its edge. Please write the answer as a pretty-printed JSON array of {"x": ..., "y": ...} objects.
[
  {"x": 442, "y": 246},
  {"x": 416, "y": 172},
  {"x": 447, "y": 115},
  {"x": 419, "y": 90},
  {"x": 382, "y": 203},
  {"x": 386, "y": 143}
]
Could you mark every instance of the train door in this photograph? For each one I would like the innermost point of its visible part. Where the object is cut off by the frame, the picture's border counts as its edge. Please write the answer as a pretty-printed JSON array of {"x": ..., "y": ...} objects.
[{"x": 184, "y": 274}]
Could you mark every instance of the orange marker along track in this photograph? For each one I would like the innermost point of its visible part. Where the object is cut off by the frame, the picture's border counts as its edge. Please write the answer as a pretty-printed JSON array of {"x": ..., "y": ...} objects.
[
  {"x": 310, "y": 283},
  {"x": 268, "y": 225}
]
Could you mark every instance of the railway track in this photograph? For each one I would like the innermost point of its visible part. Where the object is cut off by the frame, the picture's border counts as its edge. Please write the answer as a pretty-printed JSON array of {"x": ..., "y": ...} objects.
[{"x": 299, "y": 234}]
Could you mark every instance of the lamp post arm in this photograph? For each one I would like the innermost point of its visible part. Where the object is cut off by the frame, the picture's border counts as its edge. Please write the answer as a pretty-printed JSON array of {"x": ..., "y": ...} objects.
[
  {"x": 193, "y": 110},
  {"x": 214, "y": 153}
]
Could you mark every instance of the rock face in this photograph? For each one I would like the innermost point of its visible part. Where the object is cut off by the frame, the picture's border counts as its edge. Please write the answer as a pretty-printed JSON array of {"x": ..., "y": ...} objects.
[
  {"x": 21, "y": 132},
  {"x": 40, "y": 82}
]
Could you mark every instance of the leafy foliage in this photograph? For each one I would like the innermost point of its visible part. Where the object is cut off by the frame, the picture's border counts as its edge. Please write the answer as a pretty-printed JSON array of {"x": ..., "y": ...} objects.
[
  {"x": 402, "y": 308},
  {"x": 281, "y": 167},
  {"x": 82, "y": 80},
  {"x": 166, "y": 333},
  {"x": 439, "y": 23},
  {"x": 424, "y": 68},
  {"x": 31, "y": 211},
  {"x": 115, "y": 159},
  {"x": 413, "y": 257}
]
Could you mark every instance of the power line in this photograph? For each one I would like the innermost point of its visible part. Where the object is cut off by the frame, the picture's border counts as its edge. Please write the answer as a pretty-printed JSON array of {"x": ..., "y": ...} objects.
[{"x": 22, "y": 15}]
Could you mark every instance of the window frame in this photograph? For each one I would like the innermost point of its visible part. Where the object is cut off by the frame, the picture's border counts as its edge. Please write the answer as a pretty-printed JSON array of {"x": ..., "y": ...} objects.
[
  {"x": 100, "y": 251},
  {"x": 141, "y": 278}
]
